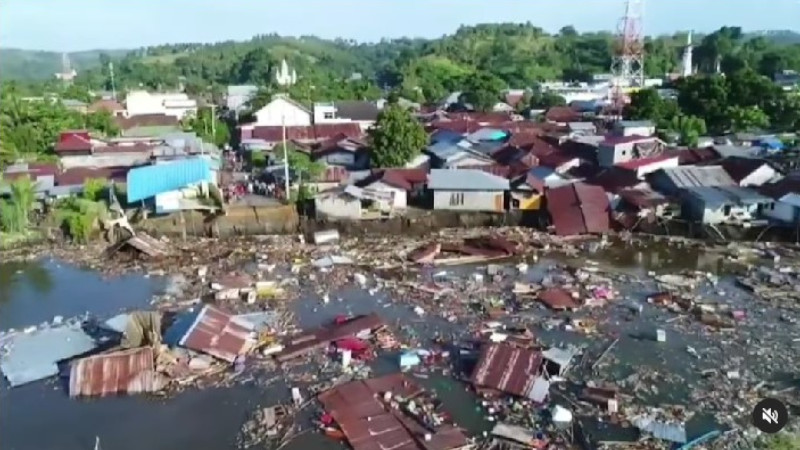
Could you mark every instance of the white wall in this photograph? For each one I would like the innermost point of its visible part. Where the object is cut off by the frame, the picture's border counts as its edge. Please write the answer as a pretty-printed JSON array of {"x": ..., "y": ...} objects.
[
  {"x": 326, "y": 113},
  {"x": 119, "y": 159},
  {"x": 638, "y": 131},
  {"x": 274, "y": 113},
  {"x": 759, "y": 176},
  {"x": 400, "y": 195},
  {"x": 473, "y": 200},
  {"x": 784, "y": 212},
  {"x": 649, "y": 168},
  {"x": 338, "y": 206},
  {"x": 178, "y": 105}
]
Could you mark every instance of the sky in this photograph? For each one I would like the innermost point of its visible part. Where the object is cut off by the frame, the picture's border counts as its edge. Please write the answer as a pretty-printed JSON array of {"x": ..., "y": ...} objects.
[{"x": 72, "y": 25}]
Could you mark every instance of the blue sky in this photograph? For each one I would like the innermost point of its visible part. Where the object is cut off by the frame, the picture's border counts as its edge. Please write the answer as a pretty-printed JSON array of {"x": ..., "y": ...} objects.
[{"x": 69, "y": 25}]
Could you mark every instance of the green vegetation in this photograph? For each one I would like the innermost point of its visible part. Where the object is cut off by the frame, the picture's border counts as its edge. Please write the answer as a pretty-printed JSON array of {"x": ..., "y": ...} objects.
[
  {"x": 28, "y": 129},
  {"x": 15, "y": 212},
  {"x": 94, "y": 188},
  {"x": 742, "y": 101},
  {"x": 78, "y": 217},
  {"x": 782, "y": 441},
  {"x": 396, "y": 138},
  {"x": 209, "y": 128}
]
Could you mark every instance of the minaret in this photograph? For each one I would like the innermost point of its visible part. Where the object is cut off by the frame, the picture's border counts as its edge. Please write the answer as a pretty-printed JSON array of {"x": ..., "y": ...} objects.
[{"x": 687, "y": 65}]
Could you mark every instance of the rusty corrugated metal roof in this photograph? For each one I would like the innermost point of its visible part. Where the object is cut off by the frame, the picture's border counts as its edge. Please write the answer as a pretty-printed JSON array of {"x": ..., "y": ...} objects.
[
  {"x": 578, "y": 208},
  {"x": 320, "y": 337},
  {"x": 507, "y": 368},
  {"x": 557, "y": 298},
  {"x": 129, "y": 371},
  {"x": 368, "y": 425},
  {"x": 219, "y": 334}
]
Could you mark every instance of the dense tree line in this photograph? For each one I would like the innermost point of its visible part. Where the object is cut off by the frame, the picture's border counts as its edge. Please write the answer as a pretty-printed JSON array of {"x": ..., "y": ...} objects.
[{"x": 517, "y": 55}]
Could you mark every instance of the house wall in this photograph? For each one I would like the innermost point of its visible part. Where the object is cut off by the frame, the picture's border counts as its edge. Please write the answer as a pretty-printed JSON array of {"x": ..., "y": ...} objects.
[
  {"x": 121, "y": 159},
  {"x": 694, "y": 208},
  {"x": 172, "y": 104},
  {"x": 607, "y": 156},
  {"x": 400, "y": 195},
  {"x": 338, "y": 206},
  {"x": 472, "y": 200},
  {"x": 660, "y": 182},
  {"x": 759, "y": 176},
  {"x": 528, "y": 201},
  {"x": 170, "y": 201},
  {"x": 273, "y": 114},
  {"x": 784, "y": 212}
]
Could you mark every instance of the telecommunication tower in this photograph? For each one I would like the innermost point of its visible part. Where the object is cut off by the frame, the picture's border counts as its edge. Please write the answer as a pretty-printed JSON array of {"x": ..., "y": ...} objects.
[{"x": 627, "y": 68}]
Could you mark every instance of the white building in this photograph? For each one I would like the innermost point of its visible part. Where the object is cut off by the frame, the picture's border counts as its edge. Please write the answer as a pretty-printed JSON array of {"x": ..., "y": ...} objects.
[
  {"x": 175, "y": 104},
  {"x": 786, "y": 210},
  {"x": 283, "y": 111},
  {"x": 467, "y": 190}
]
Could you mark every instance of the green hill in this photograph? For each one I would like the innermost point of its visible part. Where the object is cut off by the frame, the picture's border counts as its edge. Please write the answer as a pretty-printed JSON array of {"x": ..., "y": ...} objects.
[{"x": 40, "y": 65}]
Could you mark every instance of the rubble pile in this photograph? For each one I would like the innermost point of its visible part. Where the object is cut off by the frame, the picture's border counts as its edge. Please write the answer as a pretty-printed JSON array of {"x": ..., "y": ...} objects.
[{"x": 558, "y": 346}]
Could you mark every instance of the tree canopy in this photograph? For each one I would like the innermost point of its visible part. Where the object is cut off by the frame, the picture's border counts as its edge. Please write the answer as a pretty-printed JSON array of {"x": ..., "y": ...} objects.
[{"x": 396, "y": 138}]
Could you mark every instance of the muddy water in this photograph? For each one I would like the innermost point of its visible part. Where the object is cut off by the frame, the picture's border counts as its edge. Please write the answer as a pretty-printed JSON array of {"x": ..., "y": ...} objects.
[{"x": 41, "y": 417}]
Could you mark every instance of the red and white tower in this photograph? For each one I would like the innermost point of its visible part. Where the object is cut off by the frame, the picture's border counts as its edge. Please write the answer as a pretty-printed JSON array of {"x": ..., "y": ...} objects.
[{"x": 627, "y": 69}]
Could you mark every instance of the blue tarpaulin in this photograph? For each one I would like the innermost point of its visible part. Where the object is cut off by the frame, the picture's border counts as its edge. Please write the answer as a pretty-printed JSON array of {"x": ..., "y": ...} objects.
[{"x": 149, "y": 181}]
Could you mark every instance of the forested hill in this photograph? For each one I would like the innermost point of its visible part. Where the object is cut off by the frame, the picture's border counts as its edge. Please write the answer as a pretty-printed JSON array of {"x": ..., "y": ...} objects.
[{"x": 515, "y": 54}]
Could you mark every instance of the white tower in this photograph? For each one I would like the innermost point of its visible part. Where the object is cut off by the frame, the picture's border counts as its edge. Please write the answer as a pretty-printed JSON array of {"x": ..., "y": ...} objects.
[
  {"x": 285, "y": 77},
  {"x": 687, "y": 68}
]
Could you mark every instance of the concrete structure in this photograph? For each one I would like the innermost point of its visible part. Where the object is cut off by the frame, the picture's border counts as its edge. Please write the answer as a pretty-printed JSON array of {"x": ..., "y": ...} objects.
[
  {"x": 687, "y": 66},
  {"x": 724, "y": 204},
  {"x": 283, "y": 111},
  {"x": 467, "y": 190},
  {"x": 175, "y": 104},
  {"x": 634, "y": 128},
  {"x": 619, "y": 149}
]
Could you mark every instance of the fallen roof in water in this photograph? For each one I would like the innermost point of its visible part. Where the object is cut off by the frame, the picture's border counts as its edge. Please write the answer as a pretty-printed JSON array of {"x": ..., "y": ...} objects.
[
  {"x": 34, "y": 356},
  {"x": 212, "y": 331},
  {"x": 124, "y": 372}
]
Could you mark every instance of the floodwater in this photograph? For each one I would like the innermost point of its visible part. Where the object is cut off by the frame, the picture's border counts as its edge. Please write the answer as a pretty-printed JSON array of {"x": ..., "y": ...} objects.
[{"x": 40, "y": 416}]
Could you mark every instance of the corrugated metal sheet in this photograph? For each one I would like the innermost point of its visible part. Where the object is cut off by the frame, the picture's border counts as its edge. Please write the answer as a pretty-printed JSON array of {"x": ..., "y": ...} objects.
[
  {"x": 673, "y": 432},
  {"x": 308, "y": 341},
  {"x": 691, "y": 176},
  {"x": 34, "y": 356},
  {"x": 557, "y": 298},
  {"x": 466, "y": 180},
  {"x": 146, "y": 182},
  {"x": 129, "y": 371},
  {"x": 219, "y": 334},
  {"x": 508, "y": 369},
  {"x": 578, "y": 208},
  {"x": 594, "y": 207},
  {"x": 368, "y": 425}
]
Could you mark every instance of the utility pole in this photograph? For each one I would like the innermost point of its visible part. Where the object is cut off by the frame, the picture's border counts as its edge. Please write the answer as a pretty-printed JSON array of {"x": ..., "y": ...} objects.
[
  {"x": 213, "y": 122},
  {"x": 285, "y": 157}
]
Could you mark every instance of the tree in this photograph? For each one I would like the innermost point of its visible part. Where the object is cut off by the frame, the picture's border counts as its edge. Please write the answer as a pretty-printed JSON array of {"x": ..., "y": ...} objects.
[
  {"x": 688, "y": 128},
  {"x": 209, "y": 127},
  {"x": 300, "y": 163},
  {"x": 747, "y": 118},
  {"x": 546, "y": 100},
  {"x": 648, "y": 104},
  {"x": 15, "y": 212},
  {"x": 93, "y": 189},
  {"x": 706, "y": 97},
  {"x": 482, "y": 91},
  {"x": 396, "y": 138},
  {"x": 257, "y": 66}
]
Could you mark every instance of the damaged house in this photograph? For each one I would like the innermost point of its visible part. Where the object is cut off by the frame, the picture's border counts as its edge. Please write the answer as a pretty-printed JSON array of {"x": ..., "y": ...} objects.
[
  {"x": 725, "y": 205},
  {"x": 467, "y": 190}
]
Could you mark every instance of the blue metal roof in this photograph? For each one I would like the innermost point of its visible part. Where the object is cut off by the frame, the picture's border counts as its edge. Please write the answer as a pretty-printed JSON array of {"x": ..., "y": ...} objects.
[{"x": 148, "y": 181}]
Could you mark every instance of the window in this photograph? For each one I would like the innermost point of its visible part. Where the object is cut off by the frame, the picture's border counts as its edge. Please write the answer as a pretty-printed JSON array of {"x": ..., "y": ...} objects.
[
  {"x": 727, "y": 210},
  {"x": 328, "y": 115},
  {"x": 457, "y": 199}
]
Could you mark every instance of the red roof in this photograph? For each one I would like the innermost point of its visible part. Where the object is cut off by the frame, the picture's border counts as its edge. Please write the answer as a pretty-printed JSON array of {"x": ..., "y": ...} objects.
[
  {"x": 78, "y": 175},
  {"x": 578, "y": 209},
  {"x": 562, "y": 114},
  {"x": 557, "y": 298},
  {"x": 308, "y": 133},
  {"x": 481, "y": 117},
  {"x": 614, "y": 179},
  {"x": 642, "y": 162},
  {"x": 694, "y": 155},
  {"x": 74, "y": 141},
  {"x": 400, "y": 178},
  {"x": 507, "y": 368},
  {"x": 457, "y": 126},
  {"x": 34, "y": 170}
]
